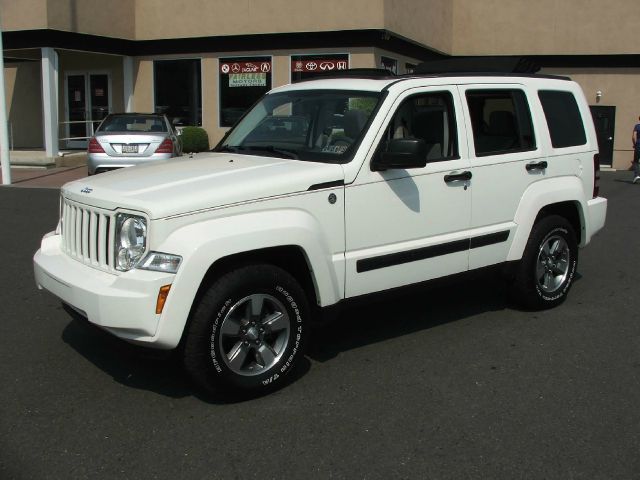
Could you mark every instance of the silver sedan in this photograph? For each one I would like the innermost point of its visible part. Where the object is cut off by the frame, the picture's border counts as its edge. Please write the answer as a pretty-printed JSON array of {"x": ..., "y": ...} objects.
[{"x": 127, "y": 139}]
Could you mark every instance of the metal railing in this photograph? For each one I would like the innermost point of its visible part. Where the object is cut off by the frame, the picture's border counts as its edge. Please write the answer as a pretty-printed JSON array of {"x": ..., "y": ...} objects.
[{"x": 91, "y": 128}]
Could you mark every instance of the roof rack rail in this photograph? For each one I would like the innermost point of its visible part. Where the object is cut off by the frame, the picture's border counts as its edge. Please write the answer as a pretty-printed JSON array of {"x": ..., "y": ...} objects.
[
  {"x": 486, "y": 64},
  {"x": 372, "y": 73}
]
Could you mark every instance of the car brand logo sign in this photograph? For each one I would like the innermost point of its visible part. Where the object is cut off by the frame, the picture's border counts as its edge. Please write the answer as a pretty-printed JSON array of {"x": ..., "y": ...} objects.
[{"x": 86, "y": 190}]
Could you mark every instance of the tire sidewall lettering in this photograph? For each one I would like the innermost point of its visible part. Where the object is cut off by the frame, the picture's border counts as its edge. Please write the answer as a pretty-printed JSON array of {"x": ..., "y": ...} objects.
[
  {"x": 572, "y": 268},
  {"x": 289, "y": 356}
]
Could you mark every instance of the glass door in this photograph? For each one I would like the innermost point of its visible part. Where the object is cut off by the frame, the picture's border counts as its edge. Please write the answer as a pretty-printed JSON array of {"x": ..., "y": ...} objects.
[
  {"x": 88, "y": 101},
  {"x": 99, "y": 99}
]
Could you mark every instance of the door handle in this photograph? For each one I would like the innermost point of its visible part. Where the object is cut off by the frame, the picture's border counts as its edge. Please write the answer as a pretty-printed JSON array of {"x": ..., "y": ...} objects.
[
  {"x": 536, "y": 166},
  {"x": 456, "y": 177}
]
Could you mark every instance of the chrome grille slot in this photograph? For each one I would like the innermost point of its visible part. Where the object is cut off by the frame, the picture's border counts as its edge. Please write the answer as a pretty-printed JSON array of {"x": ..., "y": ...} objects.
[{"x": 87, "y": 234}]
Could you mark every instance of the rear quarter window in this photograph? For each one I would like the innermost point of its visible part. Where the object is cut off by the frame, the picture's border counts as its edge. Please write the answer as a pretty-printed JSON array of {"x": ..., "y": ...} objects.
[{"x": 563, "y": 118}]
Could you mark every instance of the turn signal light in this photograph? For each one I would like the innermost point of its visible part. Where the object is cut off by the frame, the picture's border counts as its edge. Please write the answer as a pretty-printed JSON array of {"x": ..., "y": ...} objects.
[
  {"x": 165, "y": 147},
  {"x": 162, "y": 298},
  {"x": 94, "y": 146}
]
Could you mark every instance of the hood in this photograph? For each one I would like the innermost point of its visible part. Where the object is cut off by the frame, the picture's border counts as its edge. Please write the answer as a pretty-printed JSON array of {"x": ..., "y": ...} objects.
[{"x": 183, "y": 185}]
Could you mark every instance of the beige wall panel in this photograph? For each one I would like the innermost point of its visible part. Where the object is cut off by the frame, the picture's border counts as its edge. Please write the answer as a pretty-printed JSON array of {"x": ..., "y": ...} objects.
[
  {"x": 196, "y": 18},
  {"x": 209, "y": 69},
  {"x": 24, "y": 104},
  {"x": 619, "y": 88},
  {"x": 503, "y": 27},
  {"x": 429, "y": 22},
  {"x": 112, "y": 18},
  {"x": 143, "y": 86},
  {"x": 23, "y": 14}
]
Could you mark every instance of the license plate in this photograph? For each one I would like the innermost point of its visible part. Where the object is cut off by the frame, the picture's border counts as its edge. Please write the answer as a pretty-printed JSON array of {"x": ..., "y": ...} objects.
[{"x": 129, "y": 148}]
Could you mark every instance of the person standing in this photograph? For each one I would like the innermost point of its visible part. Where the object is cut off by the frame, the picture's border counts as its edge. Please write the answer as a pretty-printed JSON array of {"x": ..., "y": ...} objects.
[{"x": 635, "y": 138}]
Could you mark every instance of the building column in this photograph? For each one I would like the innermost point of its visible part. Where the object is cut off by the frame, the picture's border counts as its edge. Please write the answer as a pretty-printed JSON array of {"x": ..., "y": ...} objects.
[
  {"x": 50, "y": 100},
  {"x": 127, "y": 72},
  {"x": 4, "y": 134}
]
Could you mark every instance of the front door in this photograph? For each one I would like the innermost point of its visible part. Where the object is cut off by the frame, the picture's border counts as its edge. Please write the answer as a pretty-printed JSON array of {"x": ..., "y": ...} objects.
[
  {"x": 604, "y": 119},
  {"x": 407, "y": 226},
  {"x": 88, "y": 101}
]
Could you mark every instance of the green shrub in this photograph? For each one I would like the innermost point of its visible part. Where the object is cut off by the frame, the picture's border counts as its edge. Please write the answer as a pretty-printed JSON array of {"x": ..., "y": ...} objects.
[{"x": 194, "y": 139}]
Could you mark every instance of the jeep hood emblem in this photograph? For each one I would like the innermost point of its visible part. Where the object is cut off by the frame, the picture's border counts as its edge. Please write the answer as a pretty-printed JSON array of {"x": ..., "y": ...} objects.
[{"x": 86, "y": 190}]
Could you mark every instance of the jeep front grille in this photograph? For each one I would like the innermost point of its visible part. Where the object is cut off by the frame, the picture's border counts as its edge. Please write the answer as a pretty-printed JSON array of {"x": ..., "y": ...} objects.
[{"x": 87, "y": 234}]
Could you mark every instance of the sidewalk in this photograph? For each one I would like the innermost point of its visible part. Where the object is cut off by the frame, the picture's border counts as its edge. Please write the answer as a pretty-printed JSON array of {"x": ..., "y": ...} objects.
[{"x": 45, "y": 177}]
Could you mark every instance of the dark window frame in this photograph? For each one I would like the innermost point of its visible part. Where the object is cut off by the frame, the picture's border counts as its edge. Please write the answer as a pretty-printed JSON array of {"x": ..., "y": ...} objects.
[
  {"x": 555, "y": 134},
  {"x": 198, "y": 115},
  {"x": 267, "y": 88},
  {"x": 452, "y": 124},
  {"x": 521, "y": 113}
]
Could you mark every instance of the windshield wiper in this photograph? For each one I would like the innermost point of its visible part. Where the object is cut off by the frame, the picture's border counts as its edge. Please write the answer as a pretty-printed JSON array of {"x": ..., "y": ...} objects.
[
  {"x": 227, "y": 148},
  {"x": 255, "y": 148},
  {"x": 272, "y": 149}
]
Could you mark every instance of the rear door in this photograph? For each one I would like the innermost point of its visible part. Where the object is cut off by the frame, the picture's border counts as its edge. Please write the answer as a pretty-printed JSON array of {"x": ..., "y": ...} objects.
[{"x": 505, "y": 158}]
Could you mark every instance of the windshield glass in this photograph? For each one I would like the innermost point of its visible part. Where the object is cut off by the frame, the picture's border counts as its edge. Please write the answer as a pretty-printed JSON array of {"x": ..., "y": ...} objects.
[
  {"x": 133, "y": 123},
  {"x": 315, "y": 125}
]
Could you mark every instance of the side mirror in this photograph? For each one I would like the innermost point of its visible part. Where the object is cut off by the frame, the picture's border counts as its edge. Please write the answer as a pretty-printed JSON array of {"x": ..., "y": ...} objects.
[{"x": 402, "y": 153}]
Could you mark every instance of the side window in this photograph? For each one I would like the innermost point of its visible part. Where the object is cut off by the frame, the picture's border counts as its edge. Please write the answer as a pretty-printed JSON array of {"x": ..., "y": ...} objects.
[
  {"x": 429, "y": 117},
  {"x": 563, "y": 118},
  {"x": 501, "y": 121}
]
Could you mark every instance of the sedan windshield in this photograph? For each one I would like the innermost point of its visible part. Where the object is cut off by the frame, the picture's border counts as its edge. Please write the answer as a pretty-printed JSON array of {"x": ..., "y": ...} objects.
[
  {"x": 315, "y": 125},
  {"x": 133, "y": 123}
]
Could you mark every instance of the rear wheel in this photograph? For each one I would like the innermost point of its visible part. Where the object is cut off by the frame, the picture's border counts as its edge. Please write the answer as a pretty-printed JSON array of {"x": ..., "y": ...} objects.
[
  {"x": 545, "y": 274},
  {"x": 248, "y": 331}
]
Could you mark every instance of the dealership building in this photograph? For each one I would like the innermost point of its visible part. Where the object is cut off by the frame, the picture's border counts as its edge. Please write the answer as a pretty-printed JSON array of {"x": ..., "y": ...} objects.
[{"x": 68, "y": 63}]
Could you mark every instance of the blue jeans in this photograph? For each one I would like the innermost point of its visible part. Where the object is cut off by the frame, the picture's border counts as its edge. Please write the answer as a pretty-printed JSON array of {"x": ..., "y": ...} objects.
[{"x": 636, "y": 165}]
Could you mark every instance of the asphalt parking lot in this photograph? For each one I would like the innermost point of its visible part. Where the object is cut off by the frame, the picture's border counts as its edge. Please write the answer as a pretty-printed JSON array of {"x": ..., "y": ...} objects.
[{"x": 448, "y": 383}]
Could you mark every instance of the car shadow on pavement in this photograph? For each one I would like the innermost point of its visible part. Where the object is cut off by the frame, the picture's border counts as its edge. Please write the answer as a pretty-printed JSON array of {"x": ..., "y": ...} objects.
[
  {"x": 142, "y": 368},
  {"x": 407, "y": 312},
  {"x": 358, "y": 325}
]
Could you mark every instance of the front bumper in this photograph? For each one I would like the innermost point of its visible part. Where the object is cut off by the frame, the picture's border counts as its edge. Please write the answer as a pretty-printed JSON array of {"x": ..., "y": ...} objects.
[{"x": 123, "y": 304}]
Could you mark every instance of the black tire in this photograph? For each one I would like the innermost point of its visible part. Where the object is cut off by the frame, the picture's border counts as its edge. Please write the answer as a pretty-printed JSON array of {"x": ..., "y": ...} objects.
[
  {"x": 544, "y": 276},
  {"x": 255, "y": 359}
]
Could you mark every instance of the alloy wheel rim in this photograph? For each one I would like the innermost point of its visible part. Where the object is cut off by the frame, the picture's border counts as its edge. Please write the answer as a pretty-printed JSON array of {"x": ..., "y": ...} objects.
[
  {"x": 254, "y": 334},
  {"x": 552, "y": 266}
]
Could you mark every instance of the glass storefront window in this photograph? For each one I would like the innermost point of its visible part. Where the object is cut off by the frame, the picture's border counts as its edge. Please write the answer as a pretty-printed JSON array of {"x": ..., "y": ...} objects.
[
  {"x": 304, "y": 67},
  {"x": 178, "y": 86},
  {"x": 389, "y": 63},
  {"x": 243, "y": 80}
]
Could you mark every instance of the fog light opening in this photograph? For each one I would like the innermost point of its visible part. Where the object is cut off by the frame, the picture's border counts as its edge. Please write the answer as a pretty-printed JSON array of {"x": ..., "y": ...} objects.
[{"x": 162, "y": 298}]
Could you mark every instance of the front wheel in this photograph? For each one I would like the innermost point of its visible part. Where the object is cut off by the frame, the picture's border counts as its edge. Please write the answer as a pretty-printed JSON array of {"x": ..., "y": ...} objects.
[
  {"x": 248, "y": 331},
  {"x": 545, "y": 274}
]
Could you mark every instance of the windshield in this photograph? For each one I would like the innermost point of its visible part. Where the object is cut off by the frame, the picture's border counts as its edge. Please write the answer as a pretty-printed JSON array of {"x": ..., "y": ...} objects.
[
  {"x": 315, "y": 125},
  {"x": 133, "y": 123}
]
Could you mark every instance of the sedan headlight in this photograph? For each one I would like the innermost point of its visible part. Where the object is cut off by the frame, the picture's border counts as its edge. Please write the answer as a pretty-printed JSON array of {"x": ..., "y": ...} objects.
[{"x": 130, "y": 241}]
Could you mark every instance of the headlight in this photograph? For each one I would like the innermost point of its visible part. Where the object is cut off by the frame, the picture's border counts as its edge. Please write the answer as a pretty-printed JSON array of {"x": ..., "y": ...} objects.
[
  {"x": 161, "y": 262},
  {"x": 131, "y": 240}
]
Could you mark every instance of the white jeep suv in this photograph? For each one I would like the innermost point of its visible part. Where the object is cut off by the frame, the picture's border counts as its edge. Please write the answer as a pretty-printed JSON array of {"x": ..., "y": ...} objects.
[{"x": 328, "y": 190}]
